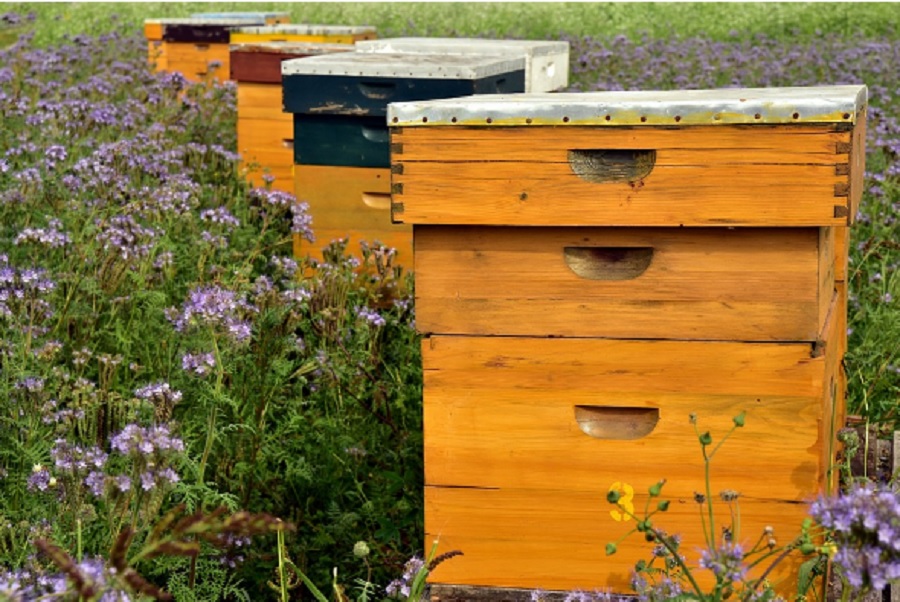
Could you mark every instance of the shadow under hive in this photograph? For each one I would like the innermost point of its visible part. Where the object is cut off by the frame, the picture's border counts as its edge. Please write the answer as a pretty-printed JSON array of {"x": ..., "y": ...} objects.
[
  {"x": 265, "y": 133},
  {"x": 198, "y": 48},
  {"x": 593, "y": 268},
  {"x": 341, "y": 156}
]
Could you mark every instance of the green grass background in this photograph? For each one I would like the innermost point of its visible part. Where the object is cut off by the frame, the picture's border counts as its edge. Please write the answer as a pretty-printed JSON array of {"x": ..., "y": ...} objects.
[{"x": 533, "y": 20}]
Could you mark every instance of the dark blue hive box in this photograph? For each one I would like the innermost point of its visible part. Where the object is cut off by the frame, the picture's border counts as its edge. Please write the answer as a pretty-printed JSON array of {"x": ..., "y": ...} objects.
[{"x": 339, "y": 102}]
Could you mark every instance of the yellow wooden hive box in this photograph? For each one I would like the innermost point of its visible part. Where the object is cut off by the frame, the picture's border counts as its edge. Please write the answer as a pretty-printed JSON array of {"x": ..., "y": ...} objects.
[
  {"x": 196, "y": 47},
  {"x": 265, "y": 133},
  {"x": 591, "y": 269}
]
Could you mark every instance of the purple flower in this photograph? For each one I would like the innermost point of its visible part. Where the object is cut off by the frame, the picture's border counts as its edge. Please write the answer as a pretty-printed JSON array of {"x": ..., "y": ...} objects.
[
  {"x": 371, "y": 316},
  {"x": 96, "y": 482},
  {"x": 865, "y": 526},
  {"x": 220, "y": 215},
  {"x": 159, "y": 392},
  {"x": 39, "y": 479},
  {"x": 403, "y": 585},
  {"x": 136, "y": 440},
  {"x": 726, "y": 562},
  {"x": 217, "y": 307},
  {"x": 200, "y": 364}
]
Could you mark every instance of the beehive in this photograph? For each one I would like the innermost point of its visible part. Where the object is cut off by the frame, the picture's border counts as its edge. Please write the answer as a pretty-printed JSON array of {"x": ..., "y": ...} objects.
[
  {"x": 304, "y": 32},
  {"x": 593, "y": 268},
  {"x": 546, "y": 62},
  {"x": 264, "y": 17},
  {"x": 265, "y": 133},
  {"x": 339, "y": 106},
  {"x": 198, "y": 48}
]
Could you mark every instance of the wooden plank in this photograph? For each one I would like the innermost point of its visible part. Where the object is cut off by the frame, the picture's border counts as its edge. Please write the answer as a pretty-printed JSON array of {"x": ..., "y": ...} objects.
[
  {"x": 501, "y": 411},
  {"x": 686, "y": 145},
  {"x": 857, "y": 166},
  {"x": 826, "y": 249},
  {"x": 265, "y": 134},
  {"x": 193, "y": 60},
  {"x": 551, "y": 194},
  {"x": 713, "y": 284},
  {"x": 350, "y": 201},
  {"x": 157, "y": 56},
  {"x": 556, "y": 540},
  {"x": 841, "y": 252},
  {"x": 261, "y": 101}
]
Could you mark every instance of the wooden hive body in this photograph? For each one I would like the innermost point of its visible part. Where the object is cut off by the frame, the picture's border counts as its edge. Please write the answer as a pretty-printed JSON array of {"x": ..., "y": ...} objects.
[
  {"x": 265, "y": 133},
  {"x": 339, "y": 103},
  {"x": 593, "y": 269},
  {"x": 196, "y": 47}
]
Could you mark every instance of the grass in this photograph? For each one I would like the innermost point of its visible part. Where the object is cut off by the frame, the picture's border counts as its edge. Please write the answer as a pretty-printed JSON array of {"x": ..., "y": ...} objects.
[{"x": 536, "y": 20}]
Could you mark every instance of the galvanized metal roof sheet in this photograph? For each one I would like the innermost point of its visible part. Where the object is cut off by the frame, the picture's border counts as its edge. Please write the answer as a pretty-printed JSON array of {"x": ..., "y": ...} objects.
[
  {"x": 423, "y": 66},
  {"x": 463, "y": 46},
  {"x": 824, "y": 104},
  {"x": 307, "y": 29},
  {"x": 199, "y": 22}
]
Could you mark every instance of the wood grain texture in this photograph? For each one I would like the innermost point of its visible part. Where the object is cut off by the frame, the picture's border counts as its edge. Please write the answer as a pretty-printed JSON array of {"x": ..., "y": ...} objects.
[
  {"x": 841, "y": 252},
  {"x": 273, "y": 134},
  {"x": 193, "y": 60},
  {"x": 556, "y": 539},
  {"x": 261, "y": 101},
  {"x": 857, "y": 166},
  {"x": 500, "y": 412},
  {"x": 701, "y": 176},
  {"x": 339, "y": 208},
  {"x": 746, "y": 284}
]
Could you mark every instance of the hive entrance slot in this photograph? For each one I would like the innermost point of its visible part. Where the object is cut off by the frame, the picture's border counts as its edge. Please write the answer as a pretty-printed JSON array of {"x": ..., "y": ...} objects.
[
  {"x": 611, "y": 165},
  {"x": 603, "y": 422},
  {"x": 608, "y": 263},
  {"x": 377, "y": 90},
  {"x": 377, "y": 200}
]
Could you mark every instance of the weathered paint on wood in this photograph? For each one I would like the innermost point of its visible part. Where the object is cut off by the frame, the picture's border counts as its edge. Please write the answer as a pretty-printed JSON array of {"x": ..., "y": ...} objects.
[
  {"x": 341, "y": 140},
  {"x": 744, "y": 284},
  {"x": 702, "y": 176},
  {"x": 349, "y": 202},
  {"x": 261, "y": 63},
  {"x": 359, "y": 95}
]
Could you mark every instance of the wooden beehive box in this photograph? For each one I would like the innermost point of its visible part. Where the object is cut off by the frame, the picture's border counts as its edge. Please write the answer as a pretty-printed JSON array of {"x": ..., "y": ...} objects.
[
  {"x": 265, "y": 133},
  {"x": 546, "y": 62},
  {"x": 593, "y": 268},
  {"x": 339, "y": 106},
  {"x": 198, "y": 48},
  {"x": 304, "y": 32}
]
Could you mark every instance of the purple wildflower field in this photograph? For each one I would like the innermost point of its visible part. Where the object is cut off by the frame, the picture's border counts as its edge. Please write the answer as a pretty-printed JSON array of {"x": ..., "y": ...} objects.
[{"x": 164, "y": 360}]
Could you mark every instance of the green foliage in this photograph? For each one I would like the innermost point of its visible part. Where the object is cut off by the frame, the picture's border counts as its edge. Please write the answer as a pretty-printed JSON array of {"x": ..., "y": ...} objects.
[{"x": 669, "y": 576}]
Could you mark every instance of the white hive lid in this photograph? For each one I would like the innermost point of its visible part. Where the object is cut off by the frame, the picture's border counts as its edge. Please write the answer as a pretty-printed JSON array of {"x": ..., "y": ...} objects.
[
  {"x": 463, "y": 46},
  {"x": 421, "y": 66},
  {"x": 821, "y": 104}
]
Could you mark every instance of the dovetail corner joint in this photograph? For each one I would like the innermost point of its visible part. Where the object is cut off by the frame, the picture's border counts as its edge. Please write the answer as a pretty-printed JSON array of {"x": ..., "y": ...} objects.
[
  {"x": 818, "y": 348},
  {"x": 397, "y": 168},
  {"x": 841, "y": 211},
  {"x": 396, "y": 148},
  {"x": 842, "y": 189},
  {"x": 842, "y": 148},
  {"x": 396, "y": 208},
  {"x": 842, "y": 169},
  {"x": 397, "y": 188}
]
